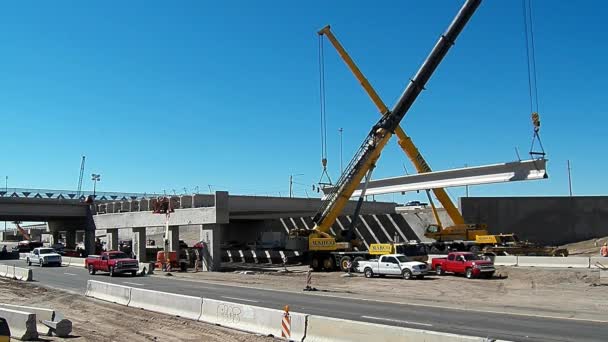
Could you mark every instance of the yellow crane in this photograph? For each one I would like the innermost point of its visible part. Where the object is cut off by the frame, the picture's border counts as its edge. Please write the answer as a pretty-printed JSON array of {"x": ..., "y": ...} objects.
[
  {"x": 323, "y": 248},
  {"x": 459, "y": 235}
]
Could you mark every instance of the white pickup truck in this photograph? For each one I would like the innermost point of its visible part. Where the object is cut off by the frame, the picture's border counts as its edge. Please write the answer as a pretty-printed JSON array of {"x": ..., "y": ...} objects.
[
  {"x": 43, "y": 256},
  {"x": 393, "y": 264}
]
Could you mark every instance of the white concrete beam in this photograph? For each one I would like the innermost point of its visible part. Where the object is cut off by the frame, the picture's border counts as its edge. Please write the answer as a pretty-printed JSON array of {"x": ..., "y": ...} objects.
[{"x": 497, "y": 173}]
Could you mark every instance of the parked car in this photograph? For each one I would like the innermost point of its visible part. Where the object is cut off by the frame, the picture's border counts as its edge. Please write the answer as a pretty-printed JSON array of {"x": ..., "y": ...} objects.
[
  {"x": 467, "y": 263},
  {"x": 393, "y": 264},
  {"x": 415, "y": 204},
  {"x": 43, "y": 256},
  {"x": 113, "y": 262}
]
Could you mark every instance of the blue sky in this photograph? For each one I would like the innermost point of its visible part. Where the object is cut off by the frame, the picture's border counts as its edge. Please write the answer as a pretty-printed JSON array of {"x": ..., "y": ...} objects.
[{"x": 176, "y": 95}]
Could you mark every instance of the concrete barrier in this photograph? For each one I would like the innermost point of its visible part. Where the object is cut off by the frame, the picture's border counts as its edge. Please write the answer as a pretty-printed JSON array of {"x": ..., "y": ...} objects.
[
  {"x": 10, "y": 272},
  {"x": 560, "y": 262},
  {"x": 77, "y": 262},
  {"x": 252, "y": 318},
  {"x": 109, "y": 292},
  {"x": 21, "y": 324},
  {"x": 42, "y": 314},
  {"x": 23, "y": 256},
  {"x": 65, "y": 261},
  {"x": 325, "y": 329},
  {"x": 510, "y": 260},
  {"x": 168, "y": 303},
  {"x": 593, "y": 261},
  {"x": 3, "y": 270},
  {"x": 146, "y": 268},
  {"x": 24, "y": 274},
  {"x": 5, "y": 333}
]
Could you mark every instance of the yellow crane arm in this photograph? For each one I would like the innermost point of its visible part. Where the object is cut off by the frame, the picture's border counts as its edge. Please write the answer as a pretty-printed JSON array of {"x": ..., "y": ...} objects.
[{"x": 405, "y": 142}]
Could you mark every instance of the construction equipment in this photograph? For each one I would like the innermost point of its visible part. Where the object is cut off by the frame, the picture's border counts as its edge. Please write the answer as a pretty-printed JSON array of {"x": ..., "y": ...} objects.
[
  {"x": 23, "y": 232},
  {"x": 79, "y": 193},
  {"x": 323, "y": 248},
  {"x": 459, "y": 235}
]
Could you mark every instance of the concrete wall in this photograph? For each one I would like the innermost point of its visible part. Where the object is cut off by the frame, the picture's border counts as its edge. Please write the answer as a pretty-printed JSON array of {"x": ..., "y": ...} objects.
[{"x": 547, "y": 220}]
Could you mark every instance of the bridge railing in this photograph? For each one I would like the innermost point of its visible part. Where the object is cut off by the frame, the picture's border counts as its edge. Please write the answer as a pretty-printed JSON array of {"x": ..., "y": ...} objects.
[{"x": 72, "y": 194}]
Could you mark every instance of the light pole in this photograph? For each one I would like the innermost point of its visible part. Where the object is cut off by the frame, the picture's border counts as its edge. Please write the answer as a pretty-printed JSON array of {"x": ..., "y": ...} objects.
[
  {"x": 95, "y": 178},
  {"x": 6, "y": 193},
  {"x": 341, "y": 168},
  {"x": 291, "y": 183},
  {"x": 569, "y": 178},
  {"x": 466, "y": 187}
]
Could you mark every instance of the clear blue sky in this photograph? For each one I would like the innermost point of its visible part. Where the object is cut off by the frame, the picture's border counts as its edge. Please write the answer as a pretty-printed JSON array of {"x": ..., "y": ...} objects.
[{"x": 163, "y": 95}]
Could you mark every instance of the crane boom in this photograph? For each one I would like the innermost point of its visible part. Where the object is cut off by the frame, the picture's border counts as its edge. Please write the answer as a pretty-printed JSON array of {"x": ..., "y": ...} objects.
[
  {"x": 381, "y": 132},
  {"x": 404, "y": 141}
]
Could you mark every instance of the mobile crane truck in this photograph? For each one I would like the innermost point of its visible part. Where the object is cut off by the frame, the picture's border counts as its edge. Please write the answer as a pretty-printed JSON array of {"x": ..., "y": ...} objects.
[{"x": 325, "y": 251}]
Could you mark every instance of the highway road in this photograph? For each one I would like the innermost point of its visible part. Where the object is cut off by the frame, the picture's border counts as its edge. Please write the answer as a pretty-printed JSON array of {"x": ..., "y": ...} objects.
[{"x": 495, "y": 325}]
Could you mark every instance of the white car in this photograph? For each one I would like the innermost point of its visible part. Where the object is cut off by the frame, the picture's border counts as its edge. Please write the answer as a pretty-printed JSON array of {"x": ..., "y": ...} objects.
[
  {"x": 393, "y": 264},
  {"x": 43, "y": 256}
]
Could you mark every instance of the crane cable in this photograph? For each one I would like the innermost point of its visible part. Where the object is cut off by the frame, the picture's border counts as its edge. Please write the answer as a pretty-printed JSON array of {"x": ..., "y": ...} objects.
[
  {"x": 323, "y": 115},
  {"x": 532, "y": 80}
]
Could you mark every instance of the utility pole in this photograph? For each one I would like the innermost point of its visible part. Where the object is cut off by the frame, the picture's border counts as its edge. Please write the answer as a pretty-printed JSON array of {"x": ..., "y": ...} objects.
[
  {"x": 341, "y": 167},
  {"x": 569, "y": 178},
  {"x": 291, "y": 183}
]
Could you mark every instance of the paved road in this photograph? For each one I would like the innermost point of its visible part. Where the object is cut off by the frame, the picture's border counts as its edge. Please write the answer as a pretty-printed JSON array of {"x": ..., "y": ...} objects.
[{"x": 495, "y": 325}]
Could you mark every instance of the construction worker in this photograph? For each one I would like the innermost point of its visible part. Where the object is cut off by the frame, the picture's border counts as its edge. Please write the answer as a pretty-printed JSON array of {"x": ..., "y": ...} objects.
[{"x": 604, "y": 250}]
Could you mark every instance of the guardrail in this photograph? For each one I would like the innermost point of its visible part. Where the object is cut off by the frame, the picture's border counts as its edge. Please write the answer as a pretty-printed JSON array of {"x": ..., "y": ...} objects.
[
  {"x": 260, "y": 320},
  {"x": 542, "y": 261}
]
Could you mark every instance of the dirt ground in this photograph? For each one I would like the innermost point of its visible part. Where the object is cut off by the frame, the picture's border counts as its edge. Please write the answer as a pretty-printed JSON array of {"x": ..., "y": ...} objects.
[
  {"x": 572, "y": 293},
  {"x": 586, "y": 248},
  {"x": 95, "y": 320}
]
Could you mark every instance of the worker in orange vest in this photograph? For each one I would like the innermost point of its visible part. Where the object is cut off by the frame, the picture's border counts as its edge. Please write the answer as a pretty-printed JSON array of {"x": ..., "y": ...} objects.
[{"x": 604, "y": 250}]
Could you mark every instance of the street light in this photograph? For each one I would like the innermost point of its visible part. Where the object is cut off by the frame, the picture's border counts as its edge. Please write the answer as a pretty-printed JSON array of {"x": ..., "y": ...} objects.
[
  {"x": 95, "y": 178},
  {"x": 291, "y": 183}
]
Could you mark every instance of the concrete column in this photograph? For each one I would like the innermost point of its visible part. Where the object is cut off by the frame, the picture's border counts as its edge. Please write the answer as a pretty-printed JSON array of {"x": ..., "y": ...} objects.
[
  {"x": 174, "y": 239},
  {"x": 211, "y": 236},
  {"x": 112, "y": 239},
  {"x": 70, "y": 239},
  {"x": 89, "y": 241},
  {"x": 54, "y": 237},
  {"x": 222, "y": 210},
  {"x": 139, "y": 243}
]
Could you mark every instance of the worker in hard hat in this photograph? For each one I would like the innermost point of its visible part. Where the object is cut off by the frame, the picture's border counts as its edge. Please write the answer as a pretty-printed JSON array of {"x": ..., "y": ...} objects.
[{"x": 604, "y": 250}]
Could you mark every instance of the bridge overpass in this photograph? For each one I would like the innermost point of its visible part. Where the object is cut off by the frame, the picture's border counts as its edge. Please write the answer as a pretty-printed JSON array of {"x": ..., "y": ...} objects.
[{"x": 216, "y": 216}]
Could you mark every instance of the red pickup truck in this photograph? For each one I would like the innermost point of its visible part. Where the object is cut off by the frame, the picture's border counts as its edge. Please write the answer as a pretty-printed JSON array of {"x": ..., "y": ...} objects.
[
  {"x": 113, "y": 262},
  {"x": 469, "y": 264}
]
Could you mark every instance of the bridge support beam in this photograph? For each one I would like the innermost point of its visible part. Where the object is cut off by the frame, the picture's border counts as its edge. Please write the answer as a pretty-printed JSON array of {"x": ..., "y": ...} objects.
[
  {"x": 112, "y": 237},
  {"x": 211, "y": 236},
  {"x": 139, "y": 243}
]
